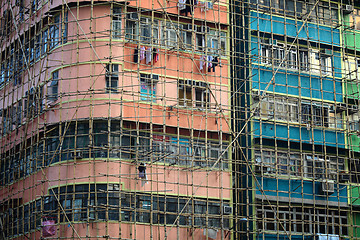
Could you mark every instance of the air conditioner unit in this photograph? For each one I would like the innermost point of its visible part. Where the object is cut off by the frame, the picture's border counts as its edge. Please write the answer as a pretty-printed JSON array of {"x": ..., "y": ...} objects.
[
  {"x": 76, "y": 155},
  {"x": 347, "y": 9},
  {"x": 227, "y": 210},
  {"x": 327, "y": 187},
  {"x": 132, "y": 16}
]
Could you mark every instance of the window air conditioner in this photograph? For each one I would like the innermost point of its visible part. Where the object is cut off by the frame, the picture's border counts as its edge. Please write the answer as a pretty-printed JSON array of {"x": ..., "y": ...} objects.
[
  {"x": 347, "y": 9},
  {"x": 227, "y": 210},
  {"x": 327, "y": 187},
  {"x": 76, "y": 155}
]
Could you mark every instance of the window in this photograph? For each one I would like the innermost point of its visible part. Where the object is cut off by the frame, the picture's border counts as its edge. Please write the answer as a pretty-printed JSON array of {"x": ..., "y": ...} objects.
[
  {"x": 304, "y": 59},
  {"x": 318, "y": 167},
  {"x": 186, "y": 35},
  {"x": 325, "y": 64},
  {"x": 171, "y": 35},
  {"x": 292, "y": 60},
  {"x": 148, "y": 87},
  {"x": 143, "y": 29},
  {"x": 6, "y": 120},
  {"x": 287, "y": 109},
  {"x": 314, "y": 114},
  {"x": 103, "y": 202},
  {"x": 116, "y": 22},
  {"x": 4, "y": 74},
  {"x": 19, "y": 113},
  {"x": 33, "y": 102},
  {"x": 6, "y": 23},
  {"x": 279, "y": 55},
  {"x": 216, "y": 42},
  {"x": 210, "y": 40},
  {"x": 190, "y": 92},
  {"x": 268, "y": 161},
  {"x": 300, "y": 220},
  {"x": 54, "y": 31},
  {"x": 352, "y": 66},
  {"x": 178, "y": 35},
  {"x": 112, "y": 78},
  {"x": 265, "y": 49},
  {"x": 295, "y": 164},
  {"x": 35, "y": 5},
  {"x": 354, "y": 126},
  {"x": 276, "y": 52},
  {"x": 54, "y": 87},
  {"x": 323, "y": 13},
  {"x": 279, "y": 6},
  {"x": 279, "y": 108}
]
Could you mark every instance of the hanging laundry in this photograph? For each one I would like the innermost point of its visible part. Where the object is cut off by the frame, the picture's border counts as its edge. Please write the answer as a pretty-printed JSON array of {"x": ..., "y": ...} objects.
[
  {"x": 142, "y": 173},
  {"x": 181, "y": 4},
  {"x": 209, "y": 62},
  {"x": 48, "y": 228},
  {"x": 148, "y": 55},
  {"x": 202, "y": 60},
  {"x": 188, "y": 7},
  {"x": 142, "y": 53},
  {"x": 215, "y": 63},
  {"x": 155, "y": 55},
  {"x": 136, "y": 55}
]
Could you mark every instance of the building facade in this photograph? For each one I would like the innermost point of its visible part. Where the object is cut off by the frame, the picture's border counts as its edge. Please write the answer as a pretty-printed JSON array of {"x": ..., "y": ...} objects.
[
  {"x": 179, "y": 119},
  {"x": 294, "y": 120},
  {"x": 115, "y": 120}
]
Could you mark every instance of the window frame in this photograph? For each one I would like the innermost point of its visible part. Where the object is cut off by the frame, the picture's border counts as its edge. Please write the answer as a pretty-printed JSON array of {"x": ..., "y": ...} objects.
[
  {"x": 148, "y": 82},
  {"x": 112, "y": 78}
]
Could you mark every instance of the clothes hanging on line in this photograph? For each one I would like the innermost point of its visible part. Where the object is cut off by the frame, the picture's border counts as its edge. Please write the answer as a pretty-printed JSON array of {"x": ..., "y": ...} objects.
[
  {"x": 188, "y": 7},
  {"x": 148, "y": 55},
  {"x": 142, "y": 53},
  {"x": 155, "y": 55},
  {"x": 202, "y": 62},
  {"x": 142, "y": 173},
  {"x": 181, "y": 4},
  {"x": 215, "y": 63},
  {"x": 209, "y": 62}
]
